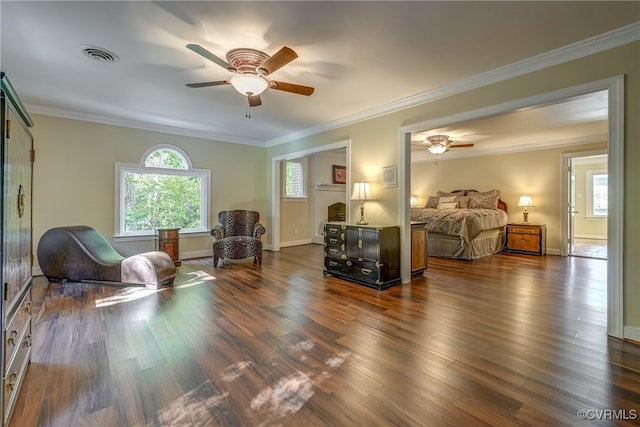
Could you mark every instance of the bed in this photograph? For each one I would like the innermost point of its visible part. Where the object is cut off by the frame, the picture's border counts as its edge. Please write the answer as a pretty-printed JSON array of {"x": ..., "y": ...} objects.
[{"x": 464, "y": 224}]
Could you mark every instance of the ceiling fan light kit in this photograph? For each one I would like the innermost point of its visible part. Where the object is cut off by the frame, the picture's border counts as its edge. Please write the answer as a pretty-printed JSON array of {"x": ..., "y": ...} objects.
[
  {"x": 438, "y": 144},
  {"x": 250, "y": 66},
  {"x": 249, "y": 84},
  {"x": 437, "y": 149}
]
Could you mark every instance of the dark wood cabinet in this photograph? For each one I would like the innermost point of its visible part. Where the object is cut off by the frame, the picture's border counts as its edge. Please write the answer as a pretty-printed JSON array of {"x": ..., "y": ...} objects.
[
  {"x": 17, "y": 159},
  {"x": 368, "y": 255},
  {"x": 418, "y": 248},
  {"x": 527, "y": 238}
]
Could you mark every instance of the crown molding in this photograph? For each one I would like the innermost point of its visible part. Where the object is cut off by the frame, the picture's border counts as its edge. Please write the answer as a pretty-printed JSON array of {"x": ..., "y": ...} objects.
[
  {"x": 137, "y": 124},
  {"x": 426, "y": 157},
  {"x": 581, "y": 49}
]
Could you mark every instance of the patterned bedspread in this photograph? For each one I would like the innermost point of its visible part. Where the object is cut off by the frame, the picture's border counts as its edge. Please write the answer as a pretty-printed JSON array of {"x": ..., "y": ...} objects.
[{"x": 466, "y": 223}]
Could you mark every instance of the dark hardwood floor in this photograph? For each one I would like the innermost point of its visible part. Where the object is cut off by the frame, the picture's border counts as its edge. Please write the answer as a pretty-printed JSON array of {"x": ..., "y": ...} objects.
[{"x": 505, "y": 340}]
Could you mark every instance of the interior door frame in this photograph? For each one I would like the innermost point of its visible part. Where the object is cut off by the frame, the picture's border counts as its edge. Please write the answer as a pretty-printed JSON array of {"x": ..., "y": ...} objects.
[
  {"x": 565, "y": 249},
  {"x": 276, "y": 186},
  {"x": 615, "y": 237}
]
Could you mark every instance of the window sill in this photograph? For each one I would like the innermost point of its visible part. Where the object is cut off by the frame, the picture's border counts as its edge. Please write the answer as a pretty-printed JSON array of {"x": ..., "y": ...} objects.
[{"x": 120, "y": 238}]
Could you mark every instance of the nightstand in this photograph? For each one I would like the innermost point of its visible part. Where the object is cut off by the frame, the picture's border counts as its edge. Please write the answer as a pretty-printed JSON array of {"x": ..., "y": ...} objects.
[{"x": 527, "y": 238}]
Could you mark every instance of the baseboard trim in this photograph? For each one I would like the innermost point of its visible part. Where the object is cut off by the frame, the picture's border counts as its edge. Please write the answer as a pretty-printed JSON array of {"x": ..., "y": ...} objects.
[
  {"x": 591, "y": 236},
  {"x": 631, "y": 333},
  {"x": 295, "y": 243}
]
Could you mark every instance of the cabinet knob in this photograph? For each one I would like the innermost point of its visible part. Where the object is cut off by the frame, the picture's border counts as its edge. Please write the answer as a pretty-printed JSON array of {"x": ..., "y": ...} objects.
[
  {"x": 12, "y": 337},
  {"x": 11, "y": 381}
]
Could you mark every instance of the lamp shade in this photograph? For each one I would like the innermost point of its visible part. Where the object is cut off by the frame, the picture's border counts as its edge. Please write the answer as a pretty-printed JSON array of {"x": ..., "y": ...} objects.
[
  {"x": 249, "y": 84},
  {"x": 413, "y": 201},
  {"x": 361, "y": 191},
  {"x": 525, "y": 201}
]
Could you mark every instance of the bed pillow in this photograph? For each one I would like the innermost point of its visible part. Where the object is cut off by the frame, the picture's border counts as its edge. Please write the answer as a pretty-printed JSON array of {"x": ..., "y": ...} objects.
[
  {"x": 485, "y": 193},
  {"x": 463, "y": 202},
  {"x": 448, "y": 205},
  {"x": 457, "y": 193},
  {"x": 432, "y": 202},
  {"x": 483, "y": 201}
]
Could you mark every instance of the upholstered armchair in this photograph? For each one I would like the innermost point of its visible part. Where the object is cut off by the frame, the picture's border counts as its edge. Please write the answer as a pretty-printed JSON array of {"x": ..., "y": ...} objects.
[{"x": 237, "y": 235}]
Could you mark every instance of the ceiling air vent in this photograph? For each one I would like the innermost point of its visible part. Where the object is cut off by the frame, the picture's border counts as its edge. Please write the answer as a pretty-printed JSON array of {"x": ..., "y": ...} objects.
[{"x": 99, "y": 54}]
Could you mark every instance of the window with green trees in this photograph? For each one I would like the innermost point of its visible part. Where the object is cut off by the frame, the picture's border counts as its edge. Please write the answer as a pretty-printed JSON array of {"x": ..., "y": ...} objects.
[
  {"x": 163, "y": 191},
  {"x": 294, "y": 178}
]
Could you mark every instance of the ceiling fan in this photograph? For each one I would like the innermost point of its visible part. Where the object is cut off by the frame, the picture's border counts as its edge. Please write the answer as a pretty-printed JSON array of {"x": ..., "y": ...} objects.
[
  {"x": 438, "y": 144},
  {"x": 250, "y": 66}
]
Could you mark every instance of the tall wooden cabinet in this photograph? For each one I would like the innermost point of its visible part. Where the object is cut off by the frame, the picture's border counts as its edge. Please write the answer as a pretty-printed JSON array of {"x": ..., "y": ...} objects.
[
  {"x": 17, "y": 160},
  {"x": 363, "y": 254}
]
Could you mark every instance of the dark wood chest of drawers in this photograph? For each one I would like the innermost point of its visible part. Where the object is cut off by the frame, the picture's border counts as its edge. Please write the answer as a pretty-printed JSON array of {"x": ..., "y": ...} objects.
[
  {"x": 368, "y": 255},
  {"x": 527, "y": 238}
]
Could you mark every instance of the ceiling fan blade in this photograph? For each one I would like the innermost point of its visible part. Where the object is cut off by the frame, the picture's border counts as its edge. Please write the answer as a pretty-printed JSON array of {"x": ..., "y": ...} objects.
[
  {"x": 290, "y": 87},
  {"x": 210, "y": 56},
  {"x": 205, "y": 84},
  {"x": 460, "y": 146},
  {"x": 254, "y": 100},
  {"x": 278, "y": 60}
]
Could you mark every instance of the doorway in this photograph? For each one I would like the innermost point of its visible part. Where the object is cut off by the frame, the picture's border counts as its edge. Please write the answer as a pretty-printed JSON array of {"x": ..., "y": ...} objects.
[
  {"x": 615, "y": 152},
  {"x": 587, "y": 213}
]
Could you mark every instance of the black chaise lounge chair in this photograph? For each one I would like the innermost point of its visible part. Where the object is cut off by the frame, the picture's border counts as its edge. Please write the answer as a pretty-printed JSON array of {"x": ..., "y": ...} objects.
[{"x": 80, "y": 254}]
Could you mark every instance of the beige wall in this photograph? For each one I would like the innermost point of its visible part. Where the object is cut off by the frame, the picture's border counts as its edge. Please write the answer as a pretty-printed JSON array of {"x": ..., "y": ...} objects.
[
  {"x": 374, "y": 143},
  {"x": 536, "y": 173},
  {"x": 75, "y": 166}
]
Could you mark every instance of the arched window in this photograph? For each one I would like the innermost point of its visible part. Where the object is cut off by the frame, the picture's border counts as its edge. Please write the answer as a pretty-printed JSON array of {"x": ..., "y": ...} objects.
[{"x": 162, "y": 191}]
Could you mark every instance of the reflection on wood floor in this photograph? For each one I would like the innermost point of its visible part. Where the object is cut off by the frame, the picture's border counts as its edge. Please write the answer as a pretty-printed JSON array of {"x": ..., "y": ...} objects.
[
  {"x": 504, "y": 340},
  {"x": 592, "y": 248}
]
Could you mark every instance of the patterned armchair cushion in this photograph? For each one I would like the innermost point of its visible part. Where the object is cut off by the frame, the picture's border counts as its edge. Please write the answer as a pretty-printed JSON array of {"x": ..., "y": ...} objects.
[{"x": 237, "y": 236}]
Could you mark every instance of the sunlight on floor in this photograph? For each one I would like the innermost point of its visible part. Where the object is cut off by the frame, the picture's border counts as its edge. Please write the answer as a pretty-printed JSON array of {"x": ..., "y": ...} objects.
[
  {"x": 199, "y": 278},
  {"x": 135, "y": 293},
  {"x": 125, "y": 295},
  {"x": 209, "y": 402}
]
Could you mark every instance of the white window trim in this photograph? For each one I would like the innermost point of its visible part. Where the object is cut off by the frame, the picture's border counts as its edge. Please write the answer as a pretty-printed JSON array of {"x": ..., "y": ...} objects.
[
  {"x": 122, "y": 168},
  {"x": 305, "y": 184},
  {"x": 589, "y": 190}
]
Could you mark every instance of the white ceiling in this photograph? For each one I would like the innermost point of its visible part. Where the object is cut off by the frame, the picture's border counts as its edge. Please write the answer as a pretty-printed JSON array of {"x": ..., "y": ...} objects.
[{"x": 361, "y": 57}]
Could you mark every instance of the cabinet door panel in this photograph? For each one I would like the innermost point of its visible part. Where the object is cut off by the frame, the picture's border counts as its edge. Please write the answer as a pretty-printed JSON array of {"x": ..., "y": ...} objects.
[{"x": 17, "y": 210}]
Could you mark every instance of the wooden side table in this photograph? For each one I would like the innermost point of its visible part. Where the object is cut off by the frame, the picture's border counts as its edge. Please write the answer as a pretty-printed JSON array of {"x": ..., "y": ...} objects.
[
  {"x": 418, "y": 248},
  {"x": 168, "y": 241},
  {"x": 527, "y": 238}
]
